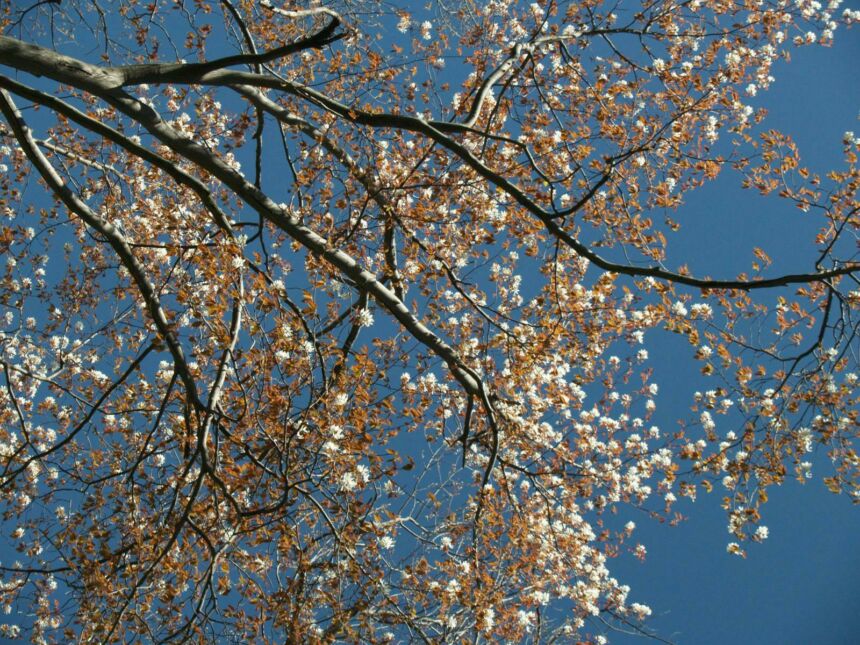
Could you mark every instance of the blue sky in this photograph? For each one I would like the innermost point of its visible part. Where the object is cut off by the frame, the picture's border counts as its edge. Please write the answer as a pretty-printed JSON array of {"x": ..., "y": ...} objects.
[{"x": 800, "y": 586}]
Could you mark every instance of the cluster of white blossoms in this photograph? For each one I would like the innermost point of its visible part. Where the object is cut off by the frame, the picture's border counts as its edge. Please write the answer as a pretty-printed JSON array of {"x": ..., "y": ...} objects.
[
  {"x": 364, "y": 317},
  {"x": 404, "y": 22},
  {"x": 5, "y": 154},
  {"x": 386, "y": 542},
  {"x": 564, "y": 547},
  {"x": 426, "y": 28}
]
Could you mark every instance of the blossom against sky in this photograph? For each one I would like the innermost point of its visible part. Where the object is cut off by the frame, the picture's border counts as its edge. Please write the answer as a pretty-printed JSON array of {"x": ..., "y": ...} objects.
[
  {"x": 469, "y": 351},
  {"x": 799, "y": 585}
]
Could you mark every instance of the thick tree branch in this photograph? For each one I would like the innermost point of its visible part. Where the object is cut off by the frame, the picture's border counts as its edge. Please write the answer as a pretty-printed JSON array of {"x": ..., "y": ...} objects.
[
  {"x": 101, "y": 84},
  {"x": 177, "y": 174},
  {"x": 104, "y": 82}
]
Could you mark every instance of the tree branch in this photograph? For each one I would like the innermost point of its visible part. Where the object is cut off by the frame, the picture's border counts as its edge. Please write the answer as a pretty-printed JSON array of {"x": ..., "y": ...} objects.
[{"x": 115, "y": 239}]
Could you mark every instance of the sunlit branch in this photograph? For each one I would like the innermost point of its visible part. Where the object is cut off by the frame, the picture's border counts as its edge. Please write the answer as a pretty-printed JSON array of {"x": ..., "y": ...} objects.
[
  {"x": 76, "y": 205},
  {"x": 105, "y": 82},
  {"x": 177, "y": 174}
]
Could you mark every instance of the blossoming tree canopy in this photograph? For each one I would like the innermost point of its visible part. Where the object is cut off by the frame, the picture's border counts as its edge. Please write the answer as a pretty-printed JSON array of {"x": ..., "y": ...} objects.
[{"x": 331, "y": 321}]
